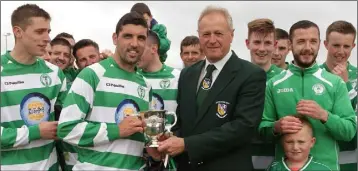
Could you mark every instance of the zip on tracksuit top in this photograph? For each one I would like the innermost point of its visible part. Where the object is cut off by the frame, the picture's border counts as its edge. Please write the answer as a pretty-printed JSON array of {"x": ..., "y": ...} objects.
[{"x": 285, "y": 90}]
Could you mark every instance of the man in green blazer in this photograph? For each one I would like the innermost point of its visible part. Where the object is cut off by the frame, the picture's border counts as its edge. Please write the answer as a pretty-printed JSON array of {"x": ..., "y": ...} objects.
[{"x": 220, "y": 103}]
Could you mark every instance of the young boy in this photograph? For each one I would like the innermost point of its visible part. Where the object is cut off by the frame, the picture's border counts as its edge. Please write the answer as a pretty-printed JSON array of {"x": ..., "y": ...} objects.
[
  {"x": 153, "y": 25},
  {"x": 297, "y": 148}
]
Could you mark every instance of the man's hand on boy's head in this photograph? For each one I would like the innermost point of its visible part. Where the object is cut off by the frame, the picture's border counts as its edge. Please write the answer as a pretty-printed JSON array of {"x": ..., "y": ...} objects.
[
  {"x": 312, "y": 109},
  {"x": 287, "y": 124}
]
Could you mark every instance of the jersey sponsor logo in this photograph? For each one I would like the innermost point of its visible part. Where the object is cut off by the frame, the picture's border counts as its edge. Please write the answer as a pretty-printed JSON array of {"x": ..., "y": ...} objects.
[
  {"x": 157, "y": 102},
  {"x": 206, "y": 84},
  {"x": 284, "y": 90},
  {"x": 45, "y": 80},
  {"x": 127, "y": 107},
  {"x": 114, "y": 85},
  {"x": 141, "y": 92},
  {"x": 164, "y": 84},
  {"x": 35, "y": 108},
  {"x": 222, "y": 109},
  {"x": 14, "y": 82},
  {"x": 318, "y": 88}
]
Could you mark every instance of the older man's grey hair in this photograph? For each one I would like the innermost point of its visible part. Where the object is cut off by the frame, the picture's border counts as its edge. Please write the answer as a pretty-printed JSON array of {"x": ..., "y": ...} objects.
[{"x": 216, "y": 9}]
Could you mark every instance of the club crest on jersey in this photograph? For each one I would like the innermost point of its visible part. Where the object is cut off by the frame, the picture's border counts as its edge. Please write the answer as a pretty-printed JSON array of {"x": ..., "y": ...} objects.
[
  {"x": 164, "y": 84},
  {"x": 127, "y": 107},
  {"x": 318, "y": 89},
  {"x": 206, "y": 84},
  {"x": 45, "y": 79},
  {"x": 141, "y": 92},
  {"x": 222, "y": 109},
  {"x": 35, "y": 108},
  {"x": 157, "y": 102}
]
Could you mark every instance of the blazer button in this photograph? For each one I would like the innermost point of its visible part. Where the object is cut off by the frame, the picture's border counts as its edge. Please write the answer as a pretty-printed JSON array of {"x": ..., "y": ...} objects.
[{"x": 188, "y": 162}]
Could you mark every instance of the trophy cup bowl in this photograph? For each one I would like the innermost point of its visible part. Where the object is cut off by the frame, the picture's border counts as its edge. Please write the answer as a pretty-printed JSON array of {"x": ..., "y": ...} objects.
[{"x": 155, "y": 124}]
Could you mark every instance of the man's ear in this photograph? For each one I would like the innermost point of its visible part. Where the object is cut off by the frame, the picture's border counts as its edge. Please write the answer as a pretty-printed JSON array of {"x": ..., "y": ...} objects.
[
  {"x": 17, "y": 32},
  {"x": 114, "y": 38}
]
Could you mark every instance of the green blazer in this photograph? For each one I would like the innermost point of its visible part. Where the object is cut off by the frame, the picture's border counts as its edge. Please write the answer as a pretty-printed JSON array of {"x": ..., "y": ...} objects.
[{"x": 217, "y": 136}]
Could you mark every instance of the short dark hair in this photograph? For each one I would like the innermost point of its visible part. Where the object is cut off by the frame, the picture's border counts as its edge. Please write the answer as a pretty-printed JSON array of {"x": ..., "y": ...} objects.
[
  {"x": 65, "y": 35},
  {"x": 131, "y": 18},
  {"x": 141, "y": 8},
  {"x": 342, "y": 27},
  {"x": 303, "y": 24},
  {"x": 21, "y": 16},
  {"x": 84, "y": 43},
  {"x": 189, "y": 41},
  {"x": 60, "y": 41},
  {"x": 154, "y": 39},
  {"x": 281, "y": 34}
]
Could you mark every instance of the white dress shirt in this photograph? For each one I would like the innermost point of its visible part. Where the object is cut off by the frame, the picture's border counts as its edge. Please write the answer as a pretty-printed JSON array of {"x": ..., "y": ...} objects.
[{"x": 218, "y": 65}]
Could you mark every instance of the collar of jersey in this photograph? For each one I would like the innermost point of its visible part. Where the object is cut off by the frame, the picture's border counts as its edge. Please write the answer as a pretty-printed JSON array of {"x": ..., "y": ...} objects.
[
  {"x": 297, "y": 70},
  {"x": 349, "y": 66},
  {"x": 272, "y": 67},
  {"x": 10, "y": 58},
  {"x": 310, "y": 157},
  {"x": 114, "y": 63},
  {"x": 153, "y": 73}
]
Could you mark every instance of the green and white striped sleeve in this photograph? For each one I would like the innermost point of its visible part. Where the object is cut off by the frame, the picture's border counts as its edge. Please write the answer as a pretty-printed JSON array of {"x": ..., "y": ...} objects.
[
  {"x": 16, "y": 137},
  {"x": 73, "y": 128}
]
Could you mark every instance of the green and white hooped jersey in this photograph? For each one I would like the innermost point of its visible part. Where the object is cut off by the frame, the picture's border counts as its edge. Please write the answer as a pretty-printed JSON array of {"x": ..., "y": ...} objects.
[
  {"x": 165, "y": 87},
  {"x": 28, "y": 96},
  {"x": 101, "y": 95}
]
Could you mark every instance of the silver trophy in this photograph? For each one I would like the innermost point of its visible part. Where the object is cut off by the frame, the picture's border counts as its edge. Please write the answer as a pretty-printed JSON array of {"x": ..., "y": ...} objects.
[{"x": 156, "y": 124}]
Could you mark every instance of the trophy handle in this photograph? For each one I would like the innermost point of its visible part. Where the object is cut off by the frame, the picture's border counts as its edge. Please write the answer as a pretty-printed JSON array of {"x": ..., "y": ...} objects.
[{"x": 175, "y": 120}]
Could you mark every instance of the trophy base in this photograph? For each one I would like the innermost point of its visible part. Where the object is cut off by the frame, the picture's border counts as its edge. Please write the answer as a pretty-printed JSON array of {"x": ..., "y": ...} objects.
[{"x": 153, "y": 144}]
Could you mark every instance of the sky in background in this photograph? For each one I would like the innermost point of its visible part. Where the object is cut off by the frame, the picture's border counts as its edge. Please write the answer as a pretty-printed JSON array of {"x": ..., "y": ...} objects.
[{"x": 97, "y": 20}]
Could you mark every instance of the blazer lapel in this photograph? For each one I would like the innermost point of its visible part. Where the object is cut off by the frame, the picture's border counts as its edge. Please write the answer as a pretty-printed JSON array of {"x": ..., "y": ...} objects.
[{"x": 224, "y": 78}]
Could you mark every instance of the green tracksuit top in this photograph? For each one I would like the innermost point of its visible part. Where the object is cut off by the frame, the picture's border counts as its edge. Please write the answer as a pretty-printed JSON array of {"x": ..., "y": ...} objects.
[
  {"x": 348, "y": 156},
  {"x": 273, "y": 71},
  {"x": 284, "y": 91},
  {"x": 352, "y": 82}
]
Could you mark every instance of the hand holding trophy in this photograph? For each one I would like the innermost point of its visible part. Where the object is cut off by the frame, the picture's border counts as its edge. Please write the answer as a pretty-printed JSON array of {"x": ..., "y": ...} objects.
[{"x": 156, "y": 124}]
